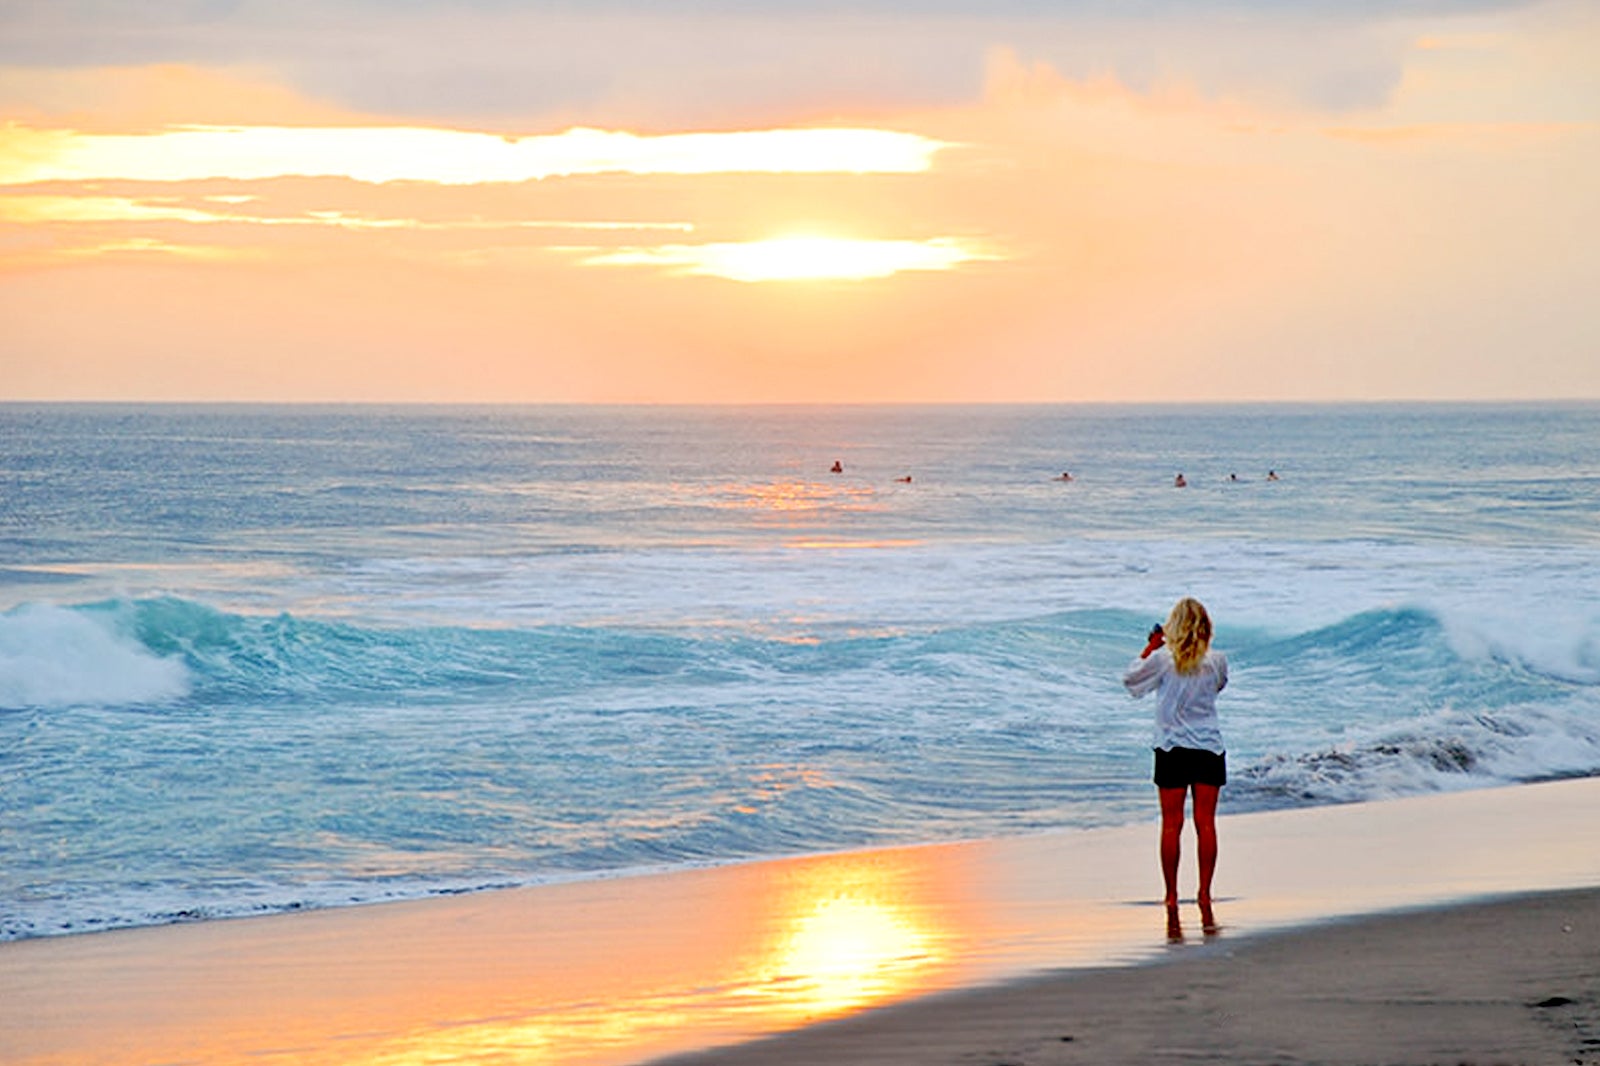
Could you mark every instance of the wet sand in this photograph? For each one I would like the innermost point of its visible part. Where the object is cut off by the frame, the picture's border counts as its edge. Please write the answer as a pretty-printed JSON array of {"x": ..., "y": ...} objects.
[
  {"x": 1512, "y": 981},
  {"x": 634, "y": 968}
]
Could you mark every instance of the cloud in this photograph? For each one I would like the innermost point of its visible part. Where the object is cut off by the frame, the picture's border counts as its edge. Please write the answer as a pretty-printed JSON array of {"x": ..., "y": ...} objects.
[
  {"x": 1480, "y": 136},
  {"x": 124, "y": 249},
  {"x": 125, "y": 99},
  {"x": 450, "y": 157},
  {"x": 799, "y": 258},
  {"x": 685, "y": 64},
  {"x": 30, "y": 209}
]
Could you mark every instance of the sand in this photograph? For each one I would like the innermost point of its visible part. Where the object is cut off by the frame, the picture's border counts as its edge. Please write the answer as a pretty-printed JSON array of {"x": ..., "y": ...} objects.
[
  {"x": 982, "y": 953},
  {"x": 1514, "y": 981}
]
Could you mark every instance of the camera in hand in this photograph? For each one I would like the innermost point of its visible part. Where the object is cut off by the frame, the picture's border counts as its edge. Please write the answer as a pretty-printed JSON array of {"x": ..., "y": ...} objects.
[{"x": 1156, "y": 631}]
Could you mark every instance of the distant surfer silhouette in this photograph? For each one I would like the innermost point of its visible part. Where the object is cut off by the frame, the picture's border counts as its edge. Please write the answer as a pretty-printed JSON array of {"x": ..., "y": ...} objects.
[
  {"x": 1272, "y": 475},
  {"x": 837, "y": 467},
  {"x": 1180, "y": 482},
  {"x": 1066, "y": 475}
]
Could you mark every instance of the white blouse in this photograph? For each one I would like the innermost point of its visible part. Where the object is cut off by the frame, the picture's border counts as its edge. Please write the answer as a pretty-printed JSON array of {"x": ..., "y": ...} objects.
[{"x": 1186, "y": 704}]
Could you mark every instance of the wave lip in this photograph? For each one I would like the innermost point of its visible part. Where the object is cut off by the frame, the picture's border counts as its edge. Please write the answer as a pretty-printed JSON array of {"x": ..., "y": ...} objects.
[{"x": 60, "y": 657}]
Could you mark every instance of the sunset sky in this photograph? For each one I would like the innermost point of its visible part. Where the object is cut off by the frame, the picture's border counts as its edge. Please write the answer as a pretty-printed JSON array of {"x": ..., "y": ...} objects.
[{"x": 799, "y": 200}]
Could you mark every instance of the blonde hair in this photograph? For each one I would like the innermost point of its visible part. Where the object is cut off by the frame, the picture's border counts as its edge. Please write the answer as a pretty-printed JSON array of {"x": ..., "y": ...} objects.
[{"x": 1188, "y": 634}]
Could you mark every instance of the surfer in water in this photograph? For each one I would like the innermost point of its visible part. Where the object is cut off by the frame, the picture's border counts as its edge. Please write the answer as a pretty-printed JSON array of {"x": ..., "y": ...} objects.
[{"x": 1180, "y": 667}]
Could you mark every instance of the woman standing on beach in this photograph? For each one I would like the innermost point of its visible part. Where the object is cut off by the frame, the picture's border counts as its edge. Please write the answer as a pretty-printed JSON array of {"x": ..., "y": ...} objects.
[{"x": 1179, "y": 666}]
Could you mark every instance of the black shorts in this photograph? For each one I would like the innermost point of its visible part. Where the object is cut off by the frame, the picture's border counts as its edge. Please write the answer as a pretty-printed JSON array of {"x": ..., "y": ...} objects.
[{"x": 1182, "y": 767}]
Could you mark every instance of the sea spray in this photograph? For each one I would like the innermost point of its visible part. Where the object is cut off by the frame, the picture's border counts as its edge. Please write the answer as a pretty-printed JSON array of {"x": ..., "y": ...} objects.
[{"x": 55, "y": 657}]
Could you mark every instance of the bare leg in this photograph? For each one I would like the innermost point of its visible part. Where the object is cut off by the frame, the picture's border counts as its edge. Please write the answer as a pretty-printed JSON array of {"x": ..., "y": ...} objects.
[
  {"x": 1208, "y": 921},
  {"x": 1205, "y": 827},
  {"x": 1171, "y": 832}
]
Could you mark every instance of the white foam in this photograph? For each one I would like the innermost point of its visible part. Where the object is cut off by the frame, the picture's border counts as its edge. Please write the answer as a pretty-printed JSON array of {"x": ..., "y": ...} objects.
[
  {"x": 1447, "y": 750},
  {"x": 1559, "y": 636},
  {"x": 55, "y": 657},
  {"x": 1538, "y": 604}
]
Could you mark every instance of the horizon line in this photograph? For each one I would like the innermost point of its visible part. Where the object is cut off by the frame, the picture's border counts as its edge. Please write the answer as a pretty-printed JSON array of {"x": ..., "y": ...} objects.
[{"x": 703, "y": 404}]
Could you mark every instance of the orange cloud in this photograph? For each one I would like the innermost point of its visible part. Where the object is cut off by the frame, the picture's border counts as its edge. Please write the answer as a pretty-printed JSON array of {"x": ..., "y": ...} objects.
[
  {"x": 1483, "y": 136},
  {"x": 450, "y": 157},
  {"x": 40, "y": 208},
  {"x": 35, "y": 209},
  {"x": 125, "y": 250},
  {"x": 154, "y": 97},
  {"x": 799, "y": 258}
]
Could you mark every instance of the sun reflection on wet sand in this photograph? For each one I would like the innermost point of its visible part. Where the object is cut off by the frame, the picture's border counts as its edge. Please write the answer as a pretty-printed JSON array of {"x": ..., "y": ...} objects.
[
  {"x": 848, "y": 936},
  {"x": 750, "y": 950}
]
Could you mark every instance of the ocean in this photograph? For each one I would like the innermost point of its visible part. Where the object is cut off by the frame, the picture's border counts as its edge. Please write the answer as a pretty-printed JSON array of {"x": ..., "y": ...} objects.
[{"x": 257, "y": 659}]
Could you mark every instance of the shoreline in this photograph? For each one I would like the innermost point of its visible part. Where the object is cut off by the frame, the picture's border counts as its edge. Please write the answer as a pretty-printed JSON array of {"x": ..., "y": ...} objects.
[{"x": 625, "y": 970}]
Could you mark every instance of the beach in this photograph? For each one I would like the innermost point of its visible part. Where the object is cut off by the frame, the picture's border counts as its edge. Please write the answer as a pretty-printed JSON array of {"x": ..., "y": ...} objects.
[{"x": 985, "y": 951}]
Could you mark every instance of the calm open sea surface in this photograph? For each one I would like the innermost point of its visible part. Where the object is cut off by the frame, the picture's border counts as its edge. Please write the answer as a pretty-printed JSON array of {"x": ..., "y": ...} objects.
[{"x": 260, "y": 658}]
